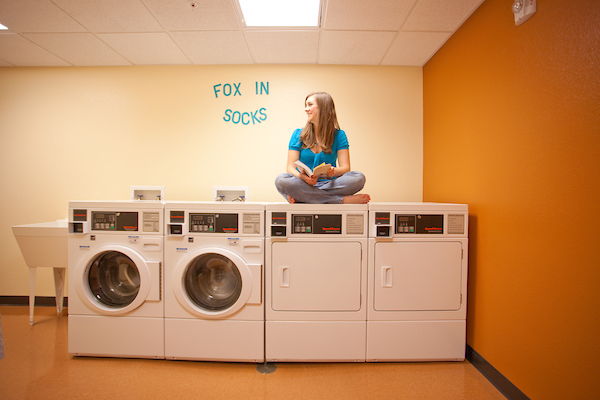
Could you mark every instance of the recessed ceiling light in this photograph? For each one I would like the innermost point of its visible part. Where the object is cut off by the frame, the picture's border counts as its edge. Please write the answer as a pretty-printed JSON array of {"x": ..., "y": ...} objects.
[
  {"x": 3, "y": 28},
  {"x": 274, "y": 13}
]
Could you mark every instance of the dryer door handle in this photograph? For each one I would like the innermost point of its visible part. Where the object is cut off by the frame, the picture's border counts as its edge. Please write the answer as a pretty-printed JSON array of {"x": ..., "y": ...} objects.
[
  {"x": 284, "y": 277},
  {"x": 386, "y": 277}
]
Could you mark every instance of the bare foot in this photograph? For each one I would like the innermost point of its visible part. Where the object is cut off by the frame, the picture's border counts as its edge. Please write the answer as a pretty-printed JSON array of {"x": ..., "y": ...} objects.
[
  {"x": 357, "y": 199},
  {"x": 291, "y": 200}
]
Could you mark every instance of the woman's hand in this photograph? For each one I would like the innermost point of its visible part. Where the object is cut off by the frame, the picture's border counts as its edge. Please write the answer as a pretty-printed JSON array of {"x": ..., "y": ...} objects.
[
  {"x": 311, "y": 180},
  {"x": 331, "y": 172},
  {"x": 294, "y": 156}
]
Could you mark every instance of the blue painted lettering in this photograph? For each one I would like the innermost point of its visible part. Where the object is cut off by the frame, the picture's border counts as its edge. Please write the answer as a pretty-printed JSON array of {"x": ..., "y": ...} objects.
[
  {"x": 227, "y": 89},
  {"x": 216, "y": 90},
  {"x": 263, "y": 88},
  {"x": 254, "y": 117}
]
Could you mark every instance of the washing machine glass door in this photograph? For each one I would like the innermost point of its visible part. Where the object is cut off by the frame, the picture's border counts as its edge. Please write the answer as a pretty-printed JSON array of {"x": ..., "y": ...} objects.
[
  {"x": 213, "y": 282},
  {"x": 114, "y": 279}
]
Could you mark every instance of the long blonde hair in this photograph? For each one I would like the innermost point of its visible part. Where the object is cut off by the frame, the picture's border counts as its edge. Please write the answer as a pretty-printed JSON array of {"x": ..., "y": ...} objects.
[{"x": 327, "y": 122}]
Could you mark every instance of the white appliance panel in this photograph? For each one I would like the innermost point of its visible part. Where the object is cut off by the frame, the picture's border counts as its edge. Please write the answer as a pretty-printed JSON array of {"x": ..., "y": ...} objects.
[
  {"x": 214, "y": 340},
  {"x": 214, "y": 298},
  {"x": 316, "y": 341},
  {"x": 416, "y": 340},
  {"x": 417, "y": 276},
  {"x": 316, "y": 276},
  {"x": 116, "y": 336}
]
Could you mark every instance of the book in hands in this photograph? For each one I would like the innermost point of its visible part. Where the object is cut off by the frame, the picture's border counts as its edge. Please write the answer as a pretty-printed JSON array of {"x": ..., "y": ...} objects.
[{"x": 320, "y": 170}]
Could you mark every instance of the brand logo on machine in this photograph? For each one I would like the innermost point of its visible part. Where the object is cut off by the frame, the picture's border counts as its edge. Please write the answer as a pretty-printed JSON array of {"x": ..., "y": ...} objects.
[
  {"x": 79, "y": 215},
  {"x": 332, "y": 229}
]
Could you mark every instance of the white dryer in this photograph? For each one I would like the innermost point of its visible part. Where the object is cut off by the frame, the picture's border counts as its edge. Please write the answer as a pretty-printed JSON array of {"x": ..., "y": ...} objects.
[
  {"x": 115, "y": 257},
  {"x": 417, "y": 282},
  {"x": 214, "y": 257},
  {"x": 316, "y": 282}
]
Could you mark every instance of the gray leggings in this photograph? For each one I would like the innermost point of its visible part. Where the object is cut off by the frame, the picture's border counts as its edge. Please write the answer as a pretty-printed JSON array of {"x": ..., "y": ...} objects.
[{"x": 331, "y": 191}]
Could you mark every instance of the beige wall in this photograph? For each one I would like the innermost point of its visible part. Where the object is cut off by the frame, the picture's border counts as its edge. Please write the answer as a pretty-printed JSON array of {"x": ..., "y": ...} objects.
[
  {"x": 90, "y": 133},
  {"x": 512, "y": 127}
]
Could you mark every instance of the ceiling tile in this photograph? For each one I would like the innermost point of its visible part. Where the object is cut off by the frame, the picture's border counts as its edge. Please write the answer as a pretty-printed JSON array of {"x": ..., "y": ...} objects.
[
  {"x": 36, "y": 16},
  {"x": 79, "y": 49},
  {"x": 214, "y": 47},
  {"x": 177, "y": 15},
  {"x": 111, "y": 15},
  {"x": 145, "y": 48},
  {"x": 378, "y": 15},
  {"x": 440, "y": 15},
  {"x": 284, "y": 47},
  {"x": 354, "y": 48},
  {"x": 18, "y": 51},
  {"x": 171, "y": 32},
  {"x": 414, "y": 48}
]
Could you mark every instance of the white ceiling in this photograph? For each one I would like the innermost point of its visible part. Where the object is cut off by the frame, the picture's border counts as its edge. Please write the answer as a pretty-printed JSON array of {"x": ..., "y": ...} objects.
[{"x": 172, "y": 32}]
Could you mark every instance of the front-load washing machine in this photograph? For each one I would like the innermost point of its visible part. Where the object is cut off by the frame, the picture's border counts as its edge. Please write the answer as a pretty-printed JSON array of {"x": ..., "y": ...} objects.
[
  {"x": 316, "y": 282},
  {"x": 417, "y": 282},
  {"x": 115, "y": 255},
  {"x": 214, "y": 257}
]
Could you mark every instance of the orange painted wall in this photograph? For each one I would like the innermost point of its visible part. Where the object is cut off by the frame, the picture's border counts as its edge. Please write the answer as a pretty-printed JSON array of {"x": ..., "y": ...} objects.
[{"x": 512, "y": 127}]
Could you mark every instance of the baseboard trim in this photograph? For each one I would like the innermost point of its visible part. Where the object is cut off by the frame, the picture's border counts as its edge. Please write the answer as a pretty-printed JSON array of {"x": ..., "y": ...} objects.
[
  {"x": 505, "y": 386},
  {"x": 42, "y": 301}
]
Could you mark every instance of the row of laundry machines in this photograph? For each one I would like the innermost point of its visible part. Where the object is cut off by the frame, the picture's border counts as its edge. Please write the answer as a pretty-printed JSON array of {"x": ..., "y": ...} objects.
[{"x": 268, "y": 282}]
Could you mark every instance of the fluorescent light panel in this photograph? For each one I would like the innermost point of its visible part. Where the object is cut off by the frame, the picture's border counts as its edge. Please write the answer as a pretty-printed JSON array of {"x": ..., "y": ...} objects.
[{"x": 281, "y": 12}]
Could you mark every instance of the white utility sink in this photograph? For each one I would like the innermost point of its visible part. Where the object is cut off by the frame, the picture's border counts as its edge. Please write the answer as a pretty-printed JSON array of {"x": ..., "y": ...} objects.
[{"x": 44, "y": 245}]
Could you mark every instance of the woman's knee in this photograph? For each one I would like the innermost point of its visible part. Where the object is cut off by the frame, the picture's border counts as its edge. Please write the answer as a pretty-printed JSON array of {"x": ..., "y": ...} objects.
[
  {"x": 283, "y": 180},
  {"x": 358, "y": 178}
]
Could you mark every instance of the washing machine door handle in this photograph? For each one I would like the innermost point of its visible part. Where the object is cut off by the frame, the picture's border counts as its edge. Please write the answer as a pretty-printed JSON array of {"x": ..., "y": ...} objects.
[{"x": 154, "y": 267}]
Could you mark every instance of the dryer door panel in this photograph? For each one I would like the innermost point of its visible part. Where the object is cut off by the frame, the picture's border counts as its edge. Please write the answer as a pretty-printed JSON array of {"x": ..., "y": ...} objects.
[
  {"x": 417, "y": 276},
  {"x": 316, "y": 276}
]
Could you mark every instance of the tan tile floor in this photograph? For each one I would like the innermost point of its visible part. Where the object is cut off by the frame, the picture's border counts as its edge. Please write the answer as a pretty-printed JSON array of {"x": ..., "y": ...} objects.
[{"x": 37, "y": 366}]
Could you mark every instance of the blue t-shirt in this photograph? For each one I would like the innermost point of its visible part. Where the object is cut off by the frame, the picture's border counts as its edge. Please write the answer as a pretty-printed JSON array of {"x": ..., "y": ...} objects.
[{"x": 311, "y": 159}]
